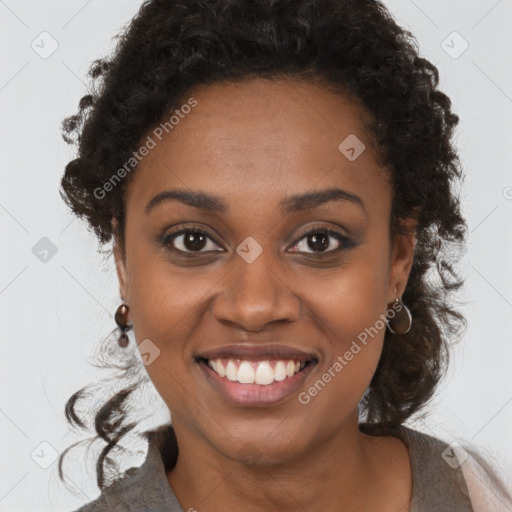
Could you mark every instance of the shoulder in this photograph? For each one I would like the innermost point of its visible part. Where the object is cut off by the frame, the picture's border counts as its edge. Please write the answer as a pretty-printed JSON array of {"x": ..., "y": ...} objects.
[
  {"x": 487, "y": 491},
  {"x": 460, "y": 470},
  {"x": 140, "y": 488},
  {"x": 437, "y": 480},
  {"x": 122, "y": 495}
]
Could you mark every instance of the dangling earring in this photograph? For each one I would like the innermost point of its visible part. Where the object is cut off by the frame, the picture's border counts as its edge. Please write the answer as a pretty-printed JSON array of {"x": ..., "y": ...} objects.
[
  {"x": 121, "y": 318},
  {"x": 401, "y": 321}
]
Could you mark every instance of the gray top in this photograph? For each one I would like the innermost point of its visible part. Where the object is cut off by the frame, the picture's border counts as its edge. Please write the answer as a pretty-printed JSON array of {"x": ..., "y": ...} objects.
[{"x": 437, "y": 487}]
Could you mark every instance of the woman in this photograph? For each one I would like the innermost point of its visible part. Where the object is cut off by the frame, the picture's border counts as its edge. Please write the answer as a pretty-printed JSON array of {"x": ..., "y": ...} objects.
[{"x": 276, "y": 178}]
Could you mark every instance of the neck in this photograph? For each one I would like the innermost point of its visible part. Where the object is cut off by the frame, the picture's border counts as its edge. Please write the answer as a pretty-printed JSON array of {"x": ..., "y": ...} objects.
[{"x": 345, "y": 468}]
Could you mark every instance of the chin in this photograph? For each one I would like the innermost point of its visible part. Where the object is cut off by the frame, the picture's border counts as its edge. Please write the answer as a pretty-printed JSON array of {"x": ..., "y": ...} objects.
[{"x": 262, "y": 446}]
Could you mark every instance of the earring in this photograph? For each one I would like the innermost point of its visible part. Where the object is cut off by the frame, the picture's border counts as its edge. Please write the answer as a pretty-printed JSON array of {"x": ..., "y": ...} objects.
[
  {"x": 121, "y": 318},
  {"x": 400, "y": 321}
]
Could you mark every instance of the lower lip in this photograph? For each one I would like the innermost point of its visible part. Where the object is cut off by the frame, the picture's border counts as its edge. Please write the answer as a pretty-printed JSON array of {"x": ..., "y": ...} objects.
[{"x": 256, "y": 395}]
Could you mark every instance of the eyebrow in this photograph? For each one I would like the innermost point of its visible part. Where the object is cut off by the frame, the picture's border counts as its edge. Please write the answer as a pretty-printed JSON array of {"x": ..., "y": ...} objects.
[{"x": 295, "y": 203}]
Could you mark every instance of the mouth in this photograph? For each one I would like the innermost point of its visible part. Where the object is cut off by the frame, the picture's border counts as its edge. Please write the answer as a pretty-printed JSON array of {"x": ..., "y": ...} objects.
[
  {"x": 263, "y": 373},
  {"x": 256, "y": 375}
]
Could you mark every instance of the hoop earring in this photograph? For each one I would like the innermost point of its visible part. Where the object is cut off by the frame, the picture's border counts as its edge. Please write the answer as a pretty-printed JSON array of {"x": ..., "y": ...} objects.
[
  {"x": 121, "y": 318},
  {"x": 401, "y": 322}
]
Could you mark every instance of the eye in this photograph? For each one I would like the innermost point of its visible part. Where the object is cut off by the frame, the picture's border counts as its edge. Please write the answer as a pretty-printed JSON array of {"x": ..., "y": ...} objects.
[
  {"x": 189, "y": 241},
  {"x": 319, "y": 240},
  {"x": 322, "y": 240}
]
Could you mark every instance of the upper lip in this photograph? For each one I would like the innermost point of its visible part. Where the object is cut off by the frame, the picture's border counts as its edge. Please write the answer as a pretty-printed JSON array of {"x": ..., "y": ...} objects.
[{"x": 256, "y": 352}]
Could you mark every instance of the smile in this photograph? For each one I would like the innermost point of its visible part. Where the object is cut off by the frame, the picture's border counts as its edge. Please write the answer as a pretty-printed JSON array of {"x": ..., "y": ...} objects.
[
  {"x": 256, "y": 376},
  {"x": 263, "y": 373}
]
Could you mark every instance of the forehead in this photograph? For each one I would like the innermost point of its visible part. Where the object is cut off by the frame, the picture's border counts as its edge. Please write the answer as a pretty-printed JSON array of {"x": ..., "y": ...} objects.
[{"x": 261, "y": 139}]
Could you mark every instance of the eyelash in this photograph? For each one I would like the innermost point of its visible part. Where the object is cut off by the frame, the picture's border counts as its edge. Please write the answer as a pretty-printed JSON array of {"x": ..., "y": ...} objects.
[{"x": 345, "y": 242}]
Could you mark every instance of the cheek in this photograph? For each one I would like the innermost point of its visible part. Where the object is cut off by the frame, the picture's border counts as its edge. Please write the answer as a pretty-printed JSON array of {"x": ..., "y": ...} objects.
[
  {"x": 351, "y": 300},
  {"x": 164, "y": 299},
  {"x": 350, "y": 312},
  {"x": 166, "y": 308},
  {"x": 358, "y": 316}
]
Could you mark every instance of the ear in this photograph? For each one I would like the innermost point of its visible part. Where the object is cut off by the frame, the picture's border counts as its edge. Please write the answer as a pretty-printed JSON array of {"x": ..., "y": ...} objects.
[
  {"x": 120, "y": 260},
  {"x": 401, "y": 259}
]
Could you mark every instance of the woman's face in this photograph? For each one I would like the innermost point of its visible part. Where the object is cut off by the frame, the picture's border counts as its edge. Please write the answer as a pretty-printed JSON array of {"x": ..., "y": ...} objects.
[{"x": 252, "y": 290}]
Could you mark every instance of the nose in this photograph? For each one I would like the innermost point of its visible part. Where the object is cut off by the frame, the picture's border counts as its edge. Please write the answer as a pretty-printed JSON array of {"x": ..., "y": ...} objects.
[{"x": 254, "y": 295}]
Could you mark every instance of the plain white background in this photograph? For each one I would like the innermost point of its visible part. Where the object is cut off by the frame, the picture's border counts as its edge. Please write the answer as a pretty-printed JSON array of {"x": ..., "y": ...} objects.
[{"x": 55, "y": 313}]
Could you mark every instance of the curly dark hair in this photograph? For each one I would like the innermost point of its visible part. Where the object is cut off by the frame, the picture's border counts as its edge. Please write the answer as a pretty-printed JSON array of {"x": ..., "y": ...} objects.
[{"x": 351, "y": 46}]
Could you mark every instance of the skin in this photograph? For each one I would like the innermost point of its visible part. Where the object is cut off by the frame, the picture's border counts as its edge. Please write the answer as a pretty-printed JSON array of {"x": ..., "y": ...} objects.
[{"x": 253, "y": 144}]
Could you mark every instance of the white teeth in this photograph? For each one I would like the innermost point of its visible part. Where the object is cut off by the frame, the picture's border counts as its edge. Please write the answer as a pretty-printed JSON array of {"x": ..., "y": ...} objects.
[
  {"x": 280, "y": 371},
  {"x": 220, "y": 368},
  {"x": 264, "y": 374},
  {"x": 245, "y": 373},
  {"x": 254, "y": 372},
  {"x": 231, "y": 370}
]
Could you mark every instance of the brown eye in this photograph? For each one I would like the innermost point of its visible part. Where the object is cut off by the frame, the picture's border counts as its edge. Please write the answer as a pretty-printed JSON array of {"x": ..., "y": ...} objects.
[
  {"x": 190, "y": 240},
  {"x": 320, "y": 241}
]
